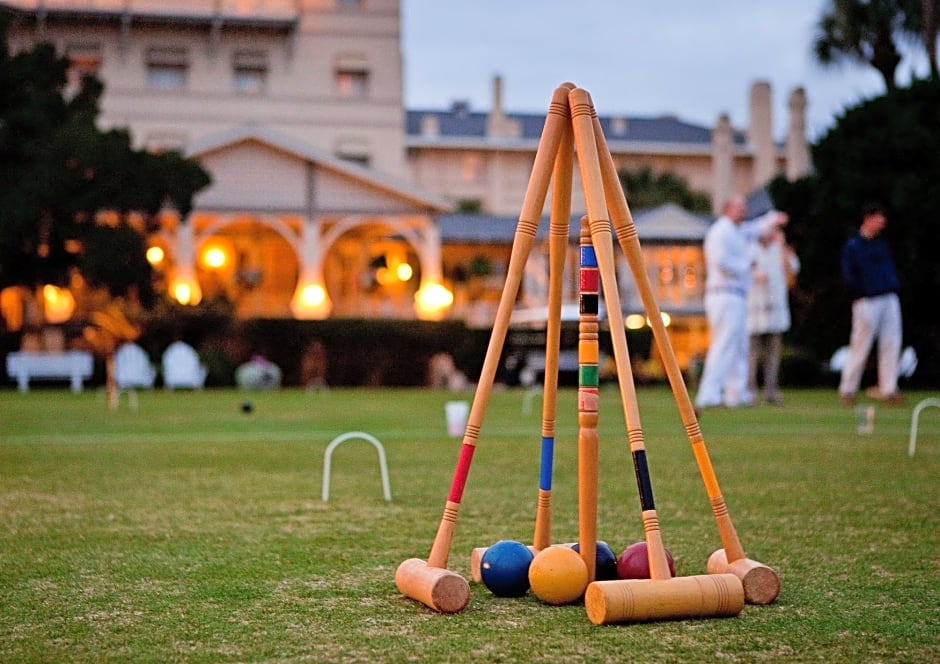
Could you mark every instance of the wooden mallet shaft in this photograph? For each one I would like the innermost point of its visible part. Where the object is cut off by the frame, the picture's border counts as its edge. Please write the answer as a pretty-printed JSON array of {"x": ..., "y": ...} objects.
[
  {"x": 761, "y": 583},
  {"x": 418, "y": 579},
  {"x": 661, "y": 597}
]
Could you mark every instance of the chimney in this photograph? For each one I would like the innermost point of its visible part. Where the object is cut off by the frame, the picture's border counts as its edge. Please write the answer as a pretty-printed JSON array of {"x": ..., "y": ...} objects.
[
  {"x": 798, "y": 160},
  {"x": 722, "y": 162},
  {"x": 760, "y": 135},
  {"x": 497, "y": 123}
]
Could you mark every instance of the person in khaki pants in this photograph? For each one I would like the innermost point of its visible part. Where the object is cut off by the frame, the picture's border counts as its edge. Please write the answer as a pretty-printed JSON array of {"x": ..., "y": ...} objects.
[{"x": 873, "y": 285}]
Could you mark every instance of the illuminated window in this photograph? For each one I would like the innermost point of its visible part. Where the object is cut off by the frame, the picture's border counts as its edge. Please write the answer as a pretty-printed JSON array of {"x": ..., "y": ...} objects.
[
  {"x": 249, "y": 72},
  {"x": 84, "y": 60},
  {"x": 167, "y": 68},
  {"x": 352, "y": 83},
  {"x": 471, "y": 168}
]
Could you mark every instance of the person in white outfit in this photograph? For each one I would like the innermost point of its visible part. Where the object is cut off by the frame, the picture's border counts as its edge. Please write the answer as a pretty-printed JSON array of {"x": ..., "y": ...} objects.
[
  {"x": 727, "y": 281},
  {"x": 873, "y": 285},
  {"x": 768, "y": 310}
]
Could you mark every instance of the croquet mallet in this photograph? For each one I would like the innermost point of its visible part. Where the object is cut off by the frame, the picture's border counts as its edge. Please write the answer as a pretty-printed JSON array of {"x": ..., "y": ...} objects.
[
  {"x": 761, "y": 583},
  {"x": 557, "y": 251},
  {"x": 430, "y": 582},
  {"x": 661, "y": 597}
]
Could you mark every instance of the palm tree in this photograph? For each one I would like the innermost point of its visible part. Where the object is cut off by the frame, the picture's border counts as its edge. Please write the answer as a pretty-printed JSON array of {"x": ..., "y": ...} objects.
[
  {"x": 862, "y": 31},
  {"x": 920, "y": 23}
]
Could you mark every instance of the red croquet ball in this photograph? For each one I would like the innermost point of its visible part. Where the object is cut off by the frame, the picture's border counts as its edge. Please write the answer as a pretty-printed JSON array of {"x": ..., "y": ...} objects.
[{"x": 634, "y": 562}]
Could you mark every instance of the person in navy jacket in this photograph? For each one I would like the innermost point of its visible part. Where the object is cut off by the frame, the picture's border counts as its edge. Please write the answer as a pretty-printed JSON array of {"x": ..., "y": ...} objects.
[{"x": 873, "y": 285}]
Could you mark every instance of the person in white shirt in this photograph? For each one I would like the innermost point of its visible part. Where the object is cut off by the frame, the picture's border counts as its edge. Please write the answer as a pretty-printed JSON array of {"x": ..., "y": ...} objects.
[
  {"x": 768, "y": 310},
  {"x": 727, "y": 281}
]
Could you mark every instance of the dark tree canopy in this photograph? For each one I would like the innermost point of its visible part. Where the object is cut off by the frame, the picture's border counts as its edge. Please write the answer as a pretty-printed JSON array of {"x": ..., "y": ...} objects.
[
  {"x": 58, "y": 171},
  {"x": 646, "y": 189},
  {"x": 885, "y": 150}
]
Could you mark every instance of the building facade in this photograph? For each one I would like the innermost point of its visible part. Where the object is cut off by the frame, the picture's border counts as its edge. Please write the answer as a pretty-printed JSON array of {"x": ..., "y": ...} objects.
[{"x": 328, "y": 196}]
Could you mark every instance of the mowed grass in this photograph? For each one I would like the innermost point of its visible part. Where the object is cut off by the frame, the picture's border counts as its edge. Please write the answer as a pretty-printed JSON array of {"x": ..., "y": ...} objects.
[{"x": 186, "y": 530}]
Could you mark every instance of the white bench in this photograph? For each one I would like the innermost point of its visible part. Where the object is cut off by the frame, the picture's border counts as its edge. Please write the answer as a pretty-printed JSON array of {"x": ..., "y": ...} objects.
[{"x": 73, "y": 365}]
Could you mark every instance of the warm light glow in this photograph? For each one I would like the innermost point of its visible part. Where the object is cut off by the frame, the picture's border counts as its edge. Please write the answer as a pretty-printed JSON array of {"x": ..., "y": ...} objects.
[
  {"x": 155, "y": 255},
  {"x": 404, "y": 272},
  {"x": 214, "y": 258},
  {"x": 313, "y": 295},
  {"x": 187, "y": 292},
  {"x": 635, "y": 321},
  {"x": 311, "y": 301},
  {"x": 432, "y": 301},
  {"x": 384, "y": 276},
  {"x": 638, "y": 321},
  {"x": 58, "y": 304},
  {"x": 183, "y": 293}
]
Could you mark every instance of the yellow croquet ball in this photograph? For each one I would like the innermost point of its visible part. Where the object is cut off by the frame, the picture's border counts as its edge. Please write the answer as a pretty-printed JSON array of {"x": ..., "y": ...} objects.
[{"x": 558, "y": 575}]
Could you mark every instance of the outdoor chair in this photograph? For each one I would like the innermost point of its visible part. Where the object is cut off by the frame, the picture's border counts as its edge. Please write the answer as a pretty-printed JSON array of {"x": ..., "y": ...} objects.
[
  {"x": 182, "y": 367},
  {"x": 133, "y": 368}
]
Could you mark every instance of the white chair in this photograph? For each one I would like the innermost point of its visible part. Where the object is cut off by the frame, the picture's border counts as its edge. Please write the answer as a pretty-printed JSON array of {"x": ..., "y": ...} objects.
[
  {"x": 182, "y": 367},
  {"x": 133, "y": 368}
]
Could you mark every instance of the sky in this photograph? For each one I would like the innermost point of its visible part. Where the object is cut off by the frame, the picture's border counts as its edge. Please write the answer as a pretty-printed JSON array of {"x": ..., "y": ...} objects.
[{"x": 689, "y": 58}]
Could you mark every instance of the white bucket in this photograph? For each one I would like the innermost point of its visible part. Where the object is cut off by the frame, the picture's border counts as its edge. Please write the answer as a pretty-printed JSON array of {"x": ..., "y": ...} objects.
[{"x": 456, "y": 413}]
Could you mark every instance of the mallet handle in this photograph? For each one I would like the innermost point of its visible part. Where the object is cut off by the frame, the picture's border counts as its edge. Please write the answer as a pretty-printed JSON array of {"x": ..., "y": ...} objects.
[
  {"x": 557, "y": 254},
  {"x": 630, "y": 244},
  {"x": 526, "y": 228},
  {"x": 582, "y": 111}
]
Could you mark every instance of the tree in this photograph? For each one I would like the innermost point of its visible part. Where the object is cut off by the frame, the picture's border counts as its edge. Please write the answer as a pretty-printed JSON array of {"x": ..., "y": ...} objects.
[
  {"x": 869, "y": 32},
  {"x": 862, "y": 31},
  {"x": 59, "y": 172},
  {"x": 885, "y": 150},
  {"x": 645, "y": 189},
  {"x": 920, "y": 23}
]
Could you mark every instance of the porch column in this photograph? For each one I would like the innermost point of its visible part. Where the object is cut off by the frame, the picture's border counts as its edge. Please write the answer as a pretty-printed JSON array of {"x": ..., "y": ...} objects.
[
  {"x": 185, "y": 287},
  {"x": 310, "y": 300},
  {"x": 432, "y": 299}
]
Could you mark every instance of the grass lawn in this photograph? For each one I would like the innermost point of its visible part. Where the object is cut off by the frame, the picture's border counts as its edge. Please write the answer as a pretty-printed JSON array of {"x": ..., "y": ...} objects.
[{"x": 186, "y": 530}]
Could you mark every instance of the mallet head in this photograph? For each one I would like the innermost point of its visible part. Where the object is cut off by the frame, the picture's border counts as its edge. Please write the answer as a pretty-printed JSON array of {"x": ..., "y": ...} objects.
[
  {"x": 761, "y": 583},
  {"x": 435, "y": 587},
  {"x": 643, "y": 600}
]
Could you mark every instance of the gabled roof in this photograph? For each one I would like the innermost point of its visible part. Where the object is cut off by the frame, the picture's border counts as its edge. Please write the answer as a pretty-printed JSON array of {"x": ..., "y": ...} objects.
[
  {"x": 666, "y": 223},
  {"x": 208, "y": 144},
  {"x": 670, "y": 223},
  {"x": 459, "y": 123}
]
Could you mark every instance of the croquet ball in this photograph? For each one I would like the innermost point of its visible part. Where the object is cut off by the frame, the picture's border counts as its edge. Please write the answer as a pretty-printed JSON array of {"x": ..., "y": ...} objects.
[
  {"x": 247, "y": 407},
  {"x": 605, "y": 561},
  {"x": 634, "y": 562},
  {"x": 558, "y": 575},
  {"x": 504, "y": 568}
]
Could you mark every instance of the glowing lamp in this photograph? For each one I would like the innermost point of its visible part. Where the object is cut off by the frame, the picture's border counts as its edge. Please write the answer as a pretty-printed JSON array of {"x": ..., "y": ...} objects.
[
  {"x": 214, "y": 257},
  {"x": 311, "y": 301},
  {"x": 432, "y": 301},
  {"x": 58, "y": 304},
  {"x": 187, "y": 292},
  {"x": 404, "y": 272},
  {"x": 155, "y": 255},
  {"x": 635, "y": 321}
]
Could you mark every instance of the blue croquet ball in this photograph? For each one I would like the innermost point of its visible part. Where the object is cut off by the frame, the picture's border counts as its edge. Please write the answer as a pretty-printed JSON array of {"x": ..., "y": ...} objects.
[
  {"x": 605, "y": 561},
  {"x": 247, "y": 407},
  {"x": 504, "y": 568}
]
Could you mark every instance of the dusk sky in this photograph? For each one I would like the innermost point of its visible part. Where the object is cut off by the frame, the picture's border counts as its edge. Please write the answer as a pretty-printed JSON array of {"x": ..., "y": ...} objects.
[{"x": 687, "y": 58}]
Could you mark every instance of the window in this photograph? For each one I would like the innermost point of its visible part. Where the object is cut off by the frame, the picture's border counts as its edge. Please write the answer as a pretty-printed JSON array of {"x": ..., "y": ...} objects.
[
  {"x": 84, "y": 60},
  {"x": 249, "y": 72},
  {"x": 167, "y": 68},
  {"x": 353, "y": 150},
  {"x": 352, "y": 83}
]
